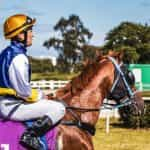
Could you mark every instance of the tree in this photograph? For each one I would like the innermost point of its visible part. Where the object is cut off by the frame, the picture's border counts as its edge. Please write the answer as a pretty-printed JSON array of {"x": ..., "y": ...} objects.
[
  {"x": 90, "y": 53},
  {"x": 133, "y": 39},
  {"x": 73, "y": 35}
]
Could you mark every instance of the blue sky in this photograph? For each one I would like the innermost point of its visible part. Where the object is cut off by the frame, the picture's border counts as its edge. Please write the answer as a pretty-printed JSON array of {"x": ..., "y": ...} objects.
[{"x": 100, "y": 16}]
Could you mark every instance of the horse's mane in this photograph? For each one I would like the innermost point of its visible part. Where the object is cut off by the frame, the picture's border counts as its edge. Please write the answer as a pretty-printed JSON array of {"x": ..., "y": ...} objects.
[{"x": 78, "y": 83}]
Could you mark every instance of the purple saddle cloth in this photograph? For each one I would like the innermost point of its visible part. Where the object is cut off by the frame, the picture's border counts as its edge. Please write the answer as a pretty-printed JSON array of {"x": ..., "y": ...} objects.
[{"x": 10, "y": 133}]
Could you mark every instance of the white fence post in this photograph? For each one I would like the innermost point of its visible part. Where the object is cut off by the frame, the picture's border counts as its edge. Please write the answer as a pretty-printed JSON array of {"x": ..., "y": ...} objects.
[
  {"x": 107, "y": 123},
  {"x": 138, "y": 77},
  {"x": 53, "y": 85}
]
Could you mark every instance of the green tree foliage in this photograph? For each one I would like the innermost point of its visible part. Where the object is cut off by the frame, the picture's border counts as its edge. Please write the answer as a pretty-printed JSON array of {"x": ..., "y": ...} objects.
[
  {"x": 90, "y": 53},
  {"x": 41, "y": 65},
  {"x": 72, "y": 36},
  {"x": 133, "y": 38}
]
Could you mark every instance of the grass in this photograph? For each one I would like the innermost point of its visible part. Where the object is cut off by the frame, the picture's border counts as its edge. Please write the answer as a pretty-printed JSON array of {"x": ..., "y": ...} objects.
[
  {"x": 146, "y": 93},
  {"x": 52, "y": 76},
  {"x": 120, "y": 138}
]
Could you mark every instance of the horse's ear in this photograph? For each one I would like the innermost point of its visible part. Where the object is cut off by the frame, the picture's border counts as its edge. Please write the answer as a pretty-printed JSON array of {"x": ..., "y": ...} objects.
[{"x": 118, "y": 55}]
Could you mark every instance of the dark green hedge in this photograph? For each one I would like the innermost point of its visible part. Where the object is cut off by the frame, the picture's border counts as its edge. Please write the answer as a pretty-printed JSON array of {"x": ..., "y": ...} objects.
[{"x": 131, "y": 121}]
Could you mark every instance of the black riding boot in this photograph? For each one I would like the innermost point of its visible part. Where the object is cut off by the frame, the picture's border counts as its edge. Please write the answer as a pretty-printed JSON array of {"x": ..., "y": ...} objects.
[{"x": 30, "y": 138}]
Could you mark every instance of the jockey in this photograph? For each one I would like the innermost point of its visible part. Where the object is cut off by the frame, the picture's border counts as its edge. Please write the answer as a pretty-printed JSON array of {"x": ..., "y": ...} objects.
[{"x": 18, "y": 101}]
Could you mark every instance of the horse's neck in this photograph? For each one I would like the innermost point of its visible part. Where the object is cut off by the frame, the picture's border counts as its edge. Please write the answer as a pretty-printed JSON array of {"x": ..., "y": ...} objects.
[
  {"x": 89, "y": 98},
  {"x": 94, "y": 100},
  {"x": 90, "y": 95}
]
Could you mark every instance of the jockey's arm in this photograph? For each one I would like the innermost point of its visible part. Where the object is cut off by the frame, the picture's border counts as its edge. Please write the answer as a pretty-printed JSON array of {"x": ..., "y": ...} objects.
[{"x": 19, "y": 78}]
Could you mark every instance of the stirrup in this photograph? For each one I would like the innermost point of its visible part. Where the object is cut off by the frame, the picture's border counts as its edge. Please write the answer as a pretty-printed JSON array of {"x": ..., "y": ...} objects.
[{"x": 31, "y": 141}]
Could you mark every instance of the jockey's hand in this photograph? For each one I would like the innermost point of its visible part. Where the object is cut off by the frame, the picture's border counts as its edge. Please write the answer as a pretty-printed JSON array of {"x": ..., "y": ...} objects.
[
  {"x": 45, "y": 96},
  {"x": 50, "y": 96}
]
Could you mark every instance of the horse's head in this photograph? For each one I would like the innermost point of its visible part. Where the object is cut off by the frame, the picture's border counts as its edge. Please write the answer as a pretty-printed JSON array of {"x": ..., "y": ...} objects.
[
  {"x": 124, "y": 88},
  {"x": 98, "y": 80}
]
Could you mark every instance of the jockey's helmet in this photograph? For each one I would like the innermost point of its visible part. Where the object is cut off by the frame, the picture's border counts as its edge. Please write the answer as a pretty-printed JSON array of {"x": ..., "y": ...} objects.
[{"x": 16, "y": 24}]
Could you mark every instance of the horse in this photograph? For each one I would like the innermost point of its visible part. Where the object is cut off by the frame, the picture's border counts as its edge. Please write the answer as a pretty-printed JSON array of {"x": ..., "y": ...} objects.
[{"x": 83, "y": 96}]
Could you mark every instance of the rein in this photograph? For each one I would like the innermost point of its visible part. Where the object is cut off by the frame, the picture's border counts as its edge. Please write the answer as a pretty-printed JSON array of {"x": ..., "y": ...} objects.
[{"x": 82, "y": 109}]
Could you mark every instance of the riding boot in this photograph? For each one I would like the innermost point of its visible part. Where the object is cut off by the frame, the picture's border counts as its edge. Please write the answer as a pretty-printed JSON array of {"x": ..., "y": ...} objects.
[{"x": 30, "y": 137}]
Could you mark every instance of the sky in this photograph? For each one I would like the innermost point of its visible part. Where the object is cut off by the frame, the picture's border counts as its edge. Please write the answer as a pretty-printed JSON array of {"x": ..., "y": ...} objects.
[{"x": 99, "y": 16}]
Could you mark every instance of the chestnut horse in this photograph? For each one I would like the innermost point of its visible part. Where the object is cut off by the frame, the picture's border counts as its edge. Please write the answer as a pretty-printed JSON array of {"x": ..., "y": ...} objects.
[{"x": 83, "y": 97}]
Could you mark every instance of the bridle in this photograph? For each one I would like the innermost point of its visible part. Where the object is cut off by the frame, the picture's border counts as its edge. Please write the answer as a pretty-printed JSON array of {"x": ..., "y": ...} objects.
[
  {"x": 127, "y": 101},
  {"x": 128, "y": 91}
]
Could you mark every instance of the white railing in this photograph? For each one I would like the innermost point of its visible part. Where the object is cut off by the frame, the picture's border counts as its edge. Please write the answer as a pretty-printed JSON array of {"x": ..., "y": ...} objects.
[{"x": 51, "y": 84}]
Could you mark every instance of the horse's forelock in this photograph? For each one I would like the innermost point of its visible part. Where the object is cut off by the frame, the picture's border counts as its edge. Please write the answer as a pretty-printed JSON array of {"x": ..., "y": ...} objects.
[{"x": 118, "y": 55}]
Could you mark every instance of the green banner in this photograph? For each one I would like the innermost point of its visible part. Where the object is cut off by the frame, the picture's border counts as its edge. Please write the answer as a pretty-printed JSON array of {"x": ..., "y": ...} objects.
[{"x": 142, "y": 75}]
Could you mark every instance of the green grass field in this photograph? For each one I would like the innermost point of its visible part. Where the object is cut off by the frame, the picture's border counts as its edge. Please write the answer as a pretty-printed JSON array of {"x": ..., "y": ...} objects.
[
  {"x": 120, "y": 138},
  {"x": 52, "y": 76}
]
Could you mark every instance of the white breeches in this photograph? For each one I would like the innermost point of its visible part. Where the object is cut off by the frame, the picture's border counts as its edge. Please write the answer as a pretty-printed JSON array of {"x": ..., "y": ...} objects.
[{"x": 55, "y": 110}]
